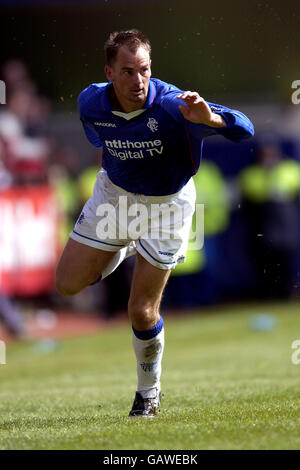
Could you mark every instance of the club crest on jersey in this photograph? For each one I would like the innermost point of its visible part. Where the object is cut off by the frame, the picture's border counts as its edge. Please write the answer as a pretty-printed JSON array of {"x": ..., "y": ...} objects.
[{"x": 152, "y": 124}]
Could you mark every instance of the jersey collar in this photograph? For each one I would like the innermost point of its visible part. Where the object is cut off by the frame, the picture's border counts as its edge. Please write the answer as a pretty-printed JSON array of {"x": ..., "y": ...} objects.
[
  {"x": 151, "y": 95},
  {"x": 106, "y": 106}
]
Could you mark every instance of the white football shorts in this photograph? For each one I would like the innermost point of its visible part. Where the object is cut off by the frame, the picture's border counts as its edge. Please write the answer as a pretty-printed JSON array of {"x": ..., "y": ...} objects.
[{"x": 159, "y": 226}]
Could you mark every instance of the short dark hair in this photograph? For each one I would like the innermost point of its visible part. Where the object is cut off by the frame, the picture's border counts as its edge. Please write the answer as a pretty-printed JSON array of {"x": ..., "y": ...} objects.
[{"x": 133, "y": 39}]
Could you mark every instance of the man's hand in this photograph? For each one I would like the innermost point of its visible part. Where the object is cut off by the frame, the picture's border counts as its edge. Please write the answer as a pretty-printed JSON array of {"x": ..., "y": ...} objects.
[{"x": 197, "y": 110}]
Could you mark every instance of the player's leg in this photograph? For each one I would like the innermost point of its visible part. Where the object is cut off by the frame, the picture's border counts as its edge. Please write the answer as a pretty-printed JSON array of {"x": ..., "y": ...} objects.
[
  {"x": 148, "y": 333},
  {"x": 88, "y": 256},
  {"x": 79, "y": 266},
  {"x": 147, "y": 287},
  {"x": 156, "y": 256}
]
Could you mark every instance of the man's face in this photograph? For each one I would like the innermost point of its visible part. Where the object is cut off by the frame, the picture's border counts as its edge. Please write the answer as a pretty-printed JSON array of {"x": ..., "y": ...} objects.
[{"x": 130, "y": 74}]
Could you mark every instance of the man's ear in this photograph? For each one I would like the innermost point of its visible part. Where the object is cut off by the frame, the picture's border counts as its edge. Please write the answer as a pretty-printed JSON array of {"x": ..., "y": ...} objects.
[{"x": 108, "y": 72}]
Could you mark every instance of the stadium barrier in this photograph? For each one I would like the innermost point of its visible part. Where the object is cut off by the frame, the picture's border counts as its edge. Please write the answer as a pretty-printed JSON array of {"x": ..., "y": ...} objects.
[{"x": 28, "y": 240}]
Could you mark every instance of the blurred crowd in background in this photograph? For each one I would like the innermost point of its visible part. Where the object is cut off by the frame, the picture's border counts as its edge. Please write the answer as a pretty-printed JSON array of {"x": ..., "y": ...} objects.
[{"x": 252, "y": 216}]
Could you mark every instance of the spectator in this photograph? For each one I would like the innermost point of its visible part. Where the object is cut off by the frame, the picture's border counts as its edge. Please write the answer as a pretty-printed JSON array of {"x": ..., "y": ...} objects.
[
  {"x": 270, "y": 204},
  {"x": 25, "y": 156}
]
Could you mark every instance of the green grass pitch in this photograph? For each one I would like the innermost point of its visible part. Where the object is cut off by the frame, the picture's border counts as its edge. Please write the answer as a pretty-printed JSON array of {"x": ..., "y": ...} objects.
[{"x": 225, "y": 385}]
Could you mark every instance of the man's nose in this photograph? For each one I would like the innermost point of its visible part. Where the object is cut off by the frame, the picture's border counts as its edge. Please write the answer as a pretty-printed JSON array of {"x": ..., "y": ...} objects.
[{"x": 138, "y": 79}]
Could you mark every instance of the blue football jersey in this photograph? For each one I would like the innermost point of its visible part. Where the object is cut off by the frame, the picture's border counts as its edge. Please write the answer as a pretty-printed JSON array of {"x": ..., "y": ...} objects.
[{"x": 153, "y": 151}]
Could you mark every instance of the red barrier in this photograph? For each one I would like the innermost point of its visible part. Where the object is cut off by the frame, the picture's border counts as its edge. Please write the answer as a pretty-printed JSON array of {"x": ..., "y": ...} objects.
[{"x": 28, "y": 240}]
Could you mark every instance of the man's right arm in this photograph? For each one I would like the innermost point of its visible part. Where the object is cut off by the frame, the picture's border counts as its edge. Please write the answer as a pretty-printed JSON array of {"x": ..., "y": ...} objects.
[{"x": 85, "y": 102}]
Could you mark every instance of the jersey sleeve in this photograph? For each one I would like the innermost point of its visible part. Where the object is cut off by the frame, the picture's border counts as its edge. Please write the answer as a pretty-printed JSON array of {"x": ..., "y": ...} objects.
[
  {"x": 238, "y": 126},
  {"x": 91, "y": 133},
  {"x": 85, "y": 101}
]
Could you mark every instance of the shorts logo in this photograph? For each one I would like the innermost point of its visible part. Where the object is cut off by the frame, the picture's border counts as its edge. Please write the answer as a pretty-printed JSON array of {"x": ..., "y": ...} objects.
[
  {"x": 152, "y": 124},
  {"x": 166, "y": 253},
  {"x": 81, "y": 217}
]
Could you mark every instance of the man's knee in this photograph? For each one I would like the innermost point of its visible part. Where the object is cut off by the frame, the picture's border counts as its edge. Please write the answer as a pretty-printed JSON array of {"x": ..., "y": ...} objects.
[
  {"x": 79, "y": 266},
  {"x": 142, "y": 314},
  {"x": 65, "y": 286}
]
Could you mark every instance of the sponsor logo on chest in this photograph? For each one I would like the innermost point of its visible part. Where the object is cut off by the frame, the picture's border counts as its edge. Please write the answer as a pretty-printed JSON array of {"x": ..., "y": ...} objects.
[{"x": 134, "y": 149}]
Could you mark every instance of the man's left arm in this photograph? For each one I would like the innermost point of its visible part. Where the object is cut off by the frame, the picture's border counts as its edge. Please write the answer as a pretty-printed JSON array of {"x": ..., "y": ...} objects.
[{"x": 218, "y": 119}]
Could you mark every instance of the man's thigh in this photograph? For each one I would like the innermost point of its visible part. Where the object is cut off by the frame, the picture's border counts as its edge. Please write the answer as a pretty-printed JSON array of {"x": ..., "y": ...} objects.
[
  {"x": 147, "y": 287},
  {"x": 79, "y": 266}
]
